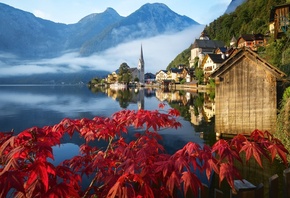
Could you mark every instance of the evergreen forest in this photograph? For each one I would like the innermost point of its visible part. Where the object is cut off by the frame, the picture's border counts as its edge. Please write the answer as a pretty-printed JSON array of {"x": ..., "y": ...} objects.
[{"x": 251, "y": 17}]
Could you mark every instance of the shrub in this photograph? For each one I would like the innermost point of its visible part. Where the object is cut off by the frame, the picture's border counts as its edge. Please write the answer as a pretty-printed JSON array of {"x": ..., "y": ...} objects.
[{"x": 137, "y": 168}]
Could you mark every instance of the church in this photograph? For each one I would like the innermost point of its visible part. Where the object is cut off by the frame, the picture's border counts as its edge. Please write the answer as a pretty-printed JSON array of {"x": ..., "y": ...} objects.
[
  {"x": 141, "y": 68},
  {"x": 139, "y": 71}
]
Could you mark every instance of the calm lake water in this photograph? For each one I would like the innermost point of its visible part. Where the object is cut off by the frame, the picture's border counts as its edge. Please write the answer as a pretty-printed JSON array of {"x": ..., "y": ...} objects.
[{"x": 22, "y": 107}]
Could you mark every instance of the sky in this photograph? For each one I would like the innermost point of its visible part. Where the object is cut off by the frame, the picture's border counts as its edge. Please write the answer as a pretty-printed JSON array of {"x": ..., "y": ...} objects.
[
  {"x": 71, "y": 11},
  {"x": 157, "y": 51}
]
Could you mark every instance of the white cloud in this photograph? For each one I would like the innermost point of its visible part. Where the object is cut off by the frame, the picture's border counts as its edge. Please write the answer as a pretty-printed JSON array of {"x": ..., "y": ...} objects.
[{"x": 158, "y": 52}]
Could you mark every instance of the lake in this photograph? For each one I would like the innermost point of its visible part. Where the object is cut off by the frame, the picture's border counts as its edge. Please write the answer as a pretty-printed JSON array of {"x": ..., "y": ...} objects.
[{"x": 22, "y": 107}]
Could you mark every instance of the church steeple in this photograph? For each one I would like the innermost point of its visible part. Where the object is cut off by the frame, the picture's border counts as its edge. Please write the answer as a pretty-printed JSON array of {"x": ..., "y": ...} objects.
[
  {"x": 141, "y": 67},
  {"x": 141, "y": 60},
  {"x": 141, "y": 57}
]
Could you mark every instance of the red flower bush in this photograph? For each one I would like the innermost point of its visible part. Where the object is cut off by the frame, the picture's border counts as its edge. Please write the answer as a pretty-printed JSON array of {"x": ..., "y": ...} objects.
[{"x": 138, "y": 168}]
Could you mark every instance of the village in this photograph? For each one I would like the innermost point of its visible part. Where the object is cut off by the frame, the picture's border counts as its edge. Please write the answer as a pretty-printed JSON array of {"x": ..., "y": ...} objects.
[
  {"x": 207, "y": 55},
  {"x": 247, "y": 87},
  {"x": 214, "y": 123}
]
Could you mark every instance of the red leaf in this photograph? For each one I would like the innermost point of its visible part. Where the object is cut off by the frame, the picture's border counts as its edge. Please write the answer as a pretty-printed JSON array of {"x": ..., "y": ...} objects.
[
  {"x": 174, "y": 112},
  {"x": 253, "y": 149},
  {"x": 62, "y": 190},
  {"x": 280, "y": 149},
  {"x": 224, "y": 150},
  {"x": 228, "y": 171},
  {"x": 237, "y": 141},
  {"x": 9, "y": 180},
  {"x": 40, "y": 170},
  {"x": 117, "y": 188},
  {"x": 161, "y": 105},
  {"x": 191, "y": 181},
  {"x": 172, "y": 181}
]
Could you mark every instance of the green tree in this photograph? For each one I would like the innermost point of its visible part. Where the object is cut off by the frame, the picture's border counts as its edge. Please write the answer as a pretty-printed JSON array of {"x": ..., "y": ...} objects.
[
  {"x": 181, "y": 58},
  {"x": 124, "y": 74},
  {"x": 251, "y": 16},
  {"x": 199, "y": 75}
]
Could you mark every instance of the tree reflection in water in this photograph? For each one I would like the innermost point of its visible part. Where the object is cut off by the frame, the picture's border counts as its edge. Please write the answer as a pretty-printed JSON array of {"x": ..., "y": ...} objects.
[{"x": 195, "y": 107}]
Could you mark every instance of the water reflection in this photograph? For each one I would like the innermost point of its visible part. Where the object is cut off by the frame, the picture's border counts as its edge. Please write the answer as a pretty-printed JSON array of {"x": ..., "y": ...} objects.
[
  {"x": 24, "y": 107},
  {"x": 197, "y": 109},
  {"x": 27, "y": 106}
]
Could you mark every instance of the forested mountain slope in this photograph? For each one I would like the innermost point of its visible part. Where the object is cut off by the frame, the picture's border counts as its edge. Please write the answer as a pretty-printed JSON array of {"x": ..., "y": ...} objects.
[{"x": 252, "y": 16}]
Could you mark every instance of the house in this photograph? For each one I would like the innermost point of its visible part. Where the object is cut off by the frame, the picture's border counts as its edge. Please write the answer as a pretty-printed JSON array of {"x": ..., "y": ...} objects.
[
  {"x": 161, "y": 75},
  {"x": 188, "y": 74},
  {"x": 279, "y": 20},
  {"x": 112, "y": 78},
  {"x": 203, "y": 46},
  {"x": 175, "y": 74},
  {"x": 210, "y": 63},
  {"x": 149, "y": 77},
  {"x": 246, "y": 94},
  {"x": 252, "y": 41},
  {"x": 221, "y": 50}
]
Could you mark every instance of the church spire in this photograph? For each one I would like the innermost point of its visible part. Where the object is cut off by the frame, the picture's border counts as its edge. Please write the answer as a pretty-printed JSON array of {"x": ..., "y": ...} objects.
[
  {"x": 141, "y": 56},
  {"x": 141, "y": 67}
]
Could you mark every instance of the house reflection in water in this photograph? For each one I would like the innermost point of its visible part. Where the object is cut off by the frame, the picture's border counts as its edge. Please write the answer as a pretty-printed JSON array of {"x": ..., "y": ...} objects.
[
  {"x": 199, "y": 106},
  {"x": 204, "y": 112},
  {"x": 245, "y": 94}
]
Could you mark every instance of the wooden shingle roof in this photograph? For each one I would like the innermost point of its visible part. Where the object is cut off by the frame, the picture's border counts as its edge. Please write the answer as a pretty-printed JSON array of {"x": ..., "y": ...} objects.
[
  {"x": 207, "y": 44},
  {"x": 217, "y": 58},
  {"x": 252, "y": 37},
  {"x": 245, "y": 52}
]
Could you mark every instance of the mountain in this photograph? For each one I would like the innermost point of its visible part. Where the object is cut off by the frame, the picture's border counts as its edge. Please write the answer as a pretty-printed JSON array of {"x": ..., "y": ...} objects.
[
  {"x": 81, "y": 77},
  {"x": 87, "y": 29},
  {"x": 27, "y": 36},
  {"x": 23, "y": 34},
  {"x": 233, "y": 5},
  {"x": 148, "y": 21}
]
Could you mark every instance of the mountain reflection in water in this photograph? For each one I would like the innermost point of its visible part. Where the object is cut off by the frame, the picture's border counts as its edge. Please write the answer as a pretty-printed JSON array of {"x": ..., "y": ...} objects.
[{"x": 23, "y": 107}]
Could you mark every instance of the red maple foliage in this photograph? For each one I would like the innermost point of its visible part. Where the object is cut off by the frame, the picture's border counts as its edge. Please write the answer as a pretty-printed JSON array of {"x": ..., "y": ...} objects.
[{"x": 138, "y": 168}]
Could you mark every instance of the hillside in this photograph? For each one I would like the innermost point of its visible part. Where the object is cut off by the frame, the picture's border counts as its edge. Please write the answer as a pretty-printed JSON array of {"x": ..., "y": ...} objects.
[
  {"x": 181, "y": 58},
  {"x": 252, "y": 16}
]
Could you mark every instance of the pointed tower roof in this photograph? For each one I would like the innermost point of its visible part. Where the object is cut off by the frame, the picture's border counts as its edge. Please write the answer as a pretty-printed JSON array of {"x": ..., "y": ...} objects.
[
  {"x": 141, "y": 55},
  {"x": 233, "y": 41}
]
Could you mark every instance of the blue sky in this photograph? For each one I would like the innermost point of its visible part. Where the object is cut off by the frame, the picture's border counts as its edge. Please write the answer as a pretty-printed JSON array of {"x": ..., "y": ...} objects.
[{"x": 71, "y": 11}]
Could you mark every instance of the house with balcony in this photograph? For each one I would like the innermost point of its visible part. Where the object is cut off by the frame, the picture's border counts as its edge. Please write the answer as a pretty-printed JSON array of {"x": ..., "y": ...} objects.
[
  {"x": 149, "y": 77},
  {"x": 210, "y": 63},
  {"x": 175, "y": 74},
  {"x": 203, "y": 46},
  {"x": 279, "y": 20},
  {"x": 252, "y": 41},
  {"x": 161, "y": 75}
]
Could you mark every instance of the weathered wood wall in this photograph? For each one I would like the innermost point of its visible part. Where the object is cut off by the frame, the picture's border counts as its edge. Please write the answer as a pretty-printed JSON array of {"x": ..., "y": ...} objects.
[{"x": 246, "y": 98}]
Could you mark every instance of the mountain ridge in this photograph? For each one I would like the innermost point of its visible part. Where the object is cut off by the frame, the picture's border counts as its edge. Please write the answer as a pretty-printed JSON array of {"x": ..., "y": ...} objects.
[{"x": 29, "y": 36}]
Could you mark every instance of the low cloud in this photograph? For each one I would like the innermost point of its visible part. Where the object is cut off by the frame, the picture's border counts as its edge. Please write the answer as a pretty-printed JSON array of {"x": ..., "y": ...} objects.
[{"x": 158, "y": 52}]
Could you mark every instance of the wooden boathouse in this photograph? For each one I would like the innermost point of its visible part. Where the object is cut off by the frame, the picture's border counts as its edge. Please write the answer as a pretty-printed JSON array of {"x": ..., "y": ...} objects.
[{"x": 245, "y": 94}]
